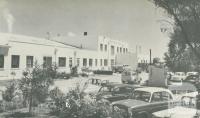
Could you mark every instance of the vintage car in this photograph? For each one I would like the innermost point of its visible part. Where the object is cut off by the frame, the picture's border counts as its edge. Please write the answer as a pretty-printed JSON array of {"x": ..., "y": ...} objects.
[
  {"x": 118, "y": 68},
  {"x": 192, "y": 79},
  {"x": 192, "y": 73},
  {"x": 114, "y": 92},
  {"x": 187, "y": 108},
  {"x": 128, "y": 76},
  {"x": 177, "y": 78},
  {"x": 180, "y": 90},
  {"x": 144, "y": 101}
]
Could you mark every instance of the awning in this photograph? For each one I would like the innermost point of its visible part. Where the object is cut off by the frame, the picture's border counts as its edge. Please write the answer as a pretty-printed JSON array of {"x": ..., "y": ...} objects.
[{"x": 4, "y": 46}]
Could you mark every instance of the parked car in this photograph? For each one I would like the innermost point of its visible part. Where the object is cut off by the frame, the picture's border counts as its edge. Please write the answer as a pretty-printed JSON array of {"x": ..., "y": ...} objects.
[
  {"x": 114, "y": 92},
  {"x": 180, "y": 90},
  {"x": 118, "y": 68},
  {"x": 86, "y": 72},
  {"x": 176, "y": 112},
  {"x": 128, "y": 76},
  {"x": 192, "y": 79},
  {"x": 144, "y": 101},
  {"x": 185, "y": 110},
  {"x": 177, "y": 78},
  {"x": 192, "y": 73}
]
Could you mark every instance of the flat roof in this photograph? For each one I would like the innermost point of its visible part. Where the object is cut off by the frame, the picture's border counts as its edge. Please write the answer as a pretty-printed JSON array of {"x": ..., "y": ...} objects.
[{"x": 8, "y": 37}]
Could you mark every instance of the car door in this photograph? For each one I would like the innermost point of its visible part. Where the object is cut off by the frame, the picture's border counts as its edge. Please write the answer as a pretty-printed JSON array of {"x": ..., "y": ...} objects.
[{"x": 160, "y": 100}]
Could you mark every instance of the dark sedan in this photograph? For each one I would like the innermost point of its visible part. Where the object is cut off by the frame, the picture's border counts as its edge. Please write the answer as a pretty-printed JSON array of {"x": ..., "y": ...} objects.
[{"x": 114, "y": 92}]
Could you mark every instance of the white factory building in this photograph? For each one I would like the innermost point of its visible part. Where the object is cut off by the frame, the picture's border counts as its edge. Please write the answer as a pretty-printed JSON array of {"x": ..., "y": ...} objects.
[{"x": 19, "y": 52}]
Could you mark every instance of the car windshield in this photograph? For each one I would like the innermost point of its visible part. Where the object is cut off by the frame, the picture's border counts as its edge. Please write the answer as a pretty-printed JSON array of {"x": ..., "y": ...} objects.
[
  {"x": 123, "y": 90},
  {"x": 142, "y": 95}
]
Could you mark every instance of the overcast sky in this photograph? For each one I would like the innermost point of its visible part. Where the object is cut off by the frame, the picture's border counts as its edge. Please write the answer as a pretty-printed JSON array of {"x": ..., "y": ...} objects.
[{"x": 133, "y": 21}]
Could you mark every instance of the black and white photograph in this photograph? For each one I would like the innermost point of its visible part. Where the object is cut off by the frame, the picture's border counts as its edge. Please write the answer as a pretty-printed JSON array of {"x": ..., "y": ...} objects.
[{"x": 99, "y": 58}]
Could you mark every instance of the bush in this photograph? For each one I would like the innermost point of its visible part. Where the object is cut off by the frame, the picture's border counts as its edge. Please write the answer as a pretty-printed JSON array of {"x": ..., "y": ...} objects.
[
  {"x": 74, "y": 71},
  {"x": 63, "y": 75},
  {"x": 19, "y": 115},
  {"x": 77, "y": 104},
  {"x": 103, "y": 72}
]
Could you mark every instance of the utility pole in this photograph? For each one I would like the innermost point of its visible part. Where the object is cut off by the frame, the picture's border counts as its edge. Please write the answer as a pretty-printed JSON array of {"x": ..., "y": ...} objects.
[{"x": 150, "y": 57}]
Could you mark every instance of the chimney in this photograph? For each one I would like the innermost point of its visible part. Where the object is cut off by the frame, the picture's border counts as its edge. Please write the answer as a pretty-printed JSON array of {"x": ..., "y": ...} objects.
[
  {"x": 48, "y": 35},
  {"x": 85, "y": 33}
]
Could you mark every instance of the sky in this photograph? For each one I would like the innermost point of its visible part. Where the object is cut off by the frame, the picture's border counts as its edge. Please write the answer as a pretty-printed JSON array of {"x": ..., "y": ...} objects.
[{"x": 132, "y": 21}]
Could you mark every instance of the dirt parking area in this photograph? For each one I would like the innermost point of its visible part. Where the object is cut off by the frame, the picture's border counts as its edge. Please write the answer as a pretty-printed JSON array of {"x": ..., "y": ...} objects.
[{"x": 66, "y": 85}]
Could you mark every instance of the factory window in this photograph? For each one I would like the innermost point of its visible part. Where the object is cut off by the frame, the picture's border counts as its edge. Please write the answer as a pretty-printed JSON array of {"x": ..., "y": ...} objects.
[
  {"x": 84, "y": 62},
  {"x": 90, "y": 62},
  {"x": 112, "y": 50},
  {"x": 120, "y": 50},
  {"x": 15, "y": 61},
  {"x": 112, "y": 61},
  {"x": 78, "y": 61},
  {"x": 1, "y": 61},
  {"x": 101, "y": 47},
  {"x": 62, "y": 61},
  {"x": 105, "y": 48},
  {"x": 123, "y": 50},
  {"x": 47, "y": 61},
  {"x": 96, "y": 62},
  {"x": 29, "y": 61},
  {"x": 101, "y": 62},
  {"x": 70, "y": 62},
  {"x": 105, "y": 62},
  {"x": 117, "y": 49}
]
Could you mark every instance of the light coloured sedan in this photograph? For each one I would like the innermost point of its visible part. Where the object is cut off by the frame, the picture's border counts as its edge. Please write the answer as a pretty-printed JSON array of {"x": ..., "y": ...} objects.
[{"x": 187, "y": 109}]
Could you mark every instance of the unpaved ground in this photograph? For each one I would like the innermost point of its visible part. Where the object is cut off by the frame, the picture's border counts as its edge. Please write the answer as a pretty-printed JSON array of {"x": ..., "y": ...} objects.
[{"x": 66, "y": 85}]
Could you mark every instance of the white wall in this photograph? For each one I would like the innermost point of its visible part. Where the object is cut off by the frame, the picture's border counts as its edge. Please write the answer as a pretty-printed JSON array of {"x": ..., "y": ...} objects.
[{"x": 30, "y": 46}]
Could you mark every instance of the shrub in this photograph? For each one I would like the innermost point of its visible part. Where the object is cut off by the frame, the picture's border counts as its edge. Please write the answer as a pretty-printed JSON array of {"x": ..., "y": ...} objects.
[
  {"x": 74, "y": 71},
  {"x": 19, "y": 115},
  {"x": 77, "y": 104},
  {"x": 103, "y": 72},
  {"x": 63, "y": 75}
]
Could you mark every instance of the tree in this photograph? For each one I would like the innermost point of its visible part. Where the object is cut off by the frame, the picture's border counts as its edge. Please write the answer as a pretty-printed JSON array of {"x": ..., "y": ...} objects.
[
  {"x": 156, "y": 60},
  {"x": 186, "y": 16},
  {"x": 34, "y": 85}
]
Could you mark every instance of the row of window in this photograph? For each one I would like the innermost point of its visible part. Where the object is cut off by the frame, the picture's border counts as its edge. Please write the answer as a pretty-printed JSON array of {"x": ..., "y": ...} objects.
[
  {"x": 47, "y": 61},
  {"x": 119, "y": 49}
]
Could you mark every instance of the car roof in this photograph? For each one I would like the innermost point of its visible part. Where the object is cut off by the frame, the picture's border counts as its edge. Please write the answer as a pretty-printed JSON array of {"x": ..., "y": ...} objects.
[
  {"x": 122, "y": 85},
  {"x": 191, "y": 94},
  {"x": 179, "y": 72},
  {"x": 152, "y": 89},
  {"x": 184, "y": 86}
]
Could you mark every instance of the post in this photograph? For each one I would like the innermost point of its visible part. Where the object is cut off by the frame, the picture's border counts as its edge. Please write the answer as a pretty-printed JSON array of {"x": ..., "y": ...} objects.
[{"x": 150, "y": 57}]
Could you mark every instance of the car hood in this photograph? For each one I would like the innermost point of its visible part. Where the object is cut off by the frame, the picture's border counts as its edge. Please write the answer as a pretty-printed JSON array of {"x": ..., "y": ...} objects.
[
  {"x": 177, "y": 112},
  {"x": 130, "y": 103}
]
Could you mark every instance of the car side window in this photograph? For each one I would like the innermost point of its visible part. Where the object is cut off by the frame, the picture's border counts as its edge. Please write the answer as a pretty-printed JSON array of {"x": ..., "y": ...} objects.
[
  {"x": 125, "y": 90},
  {"x": 156, "y": 97},
  {"x": 165, "y": 96},
  {"x": 105, "y": 89}
]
